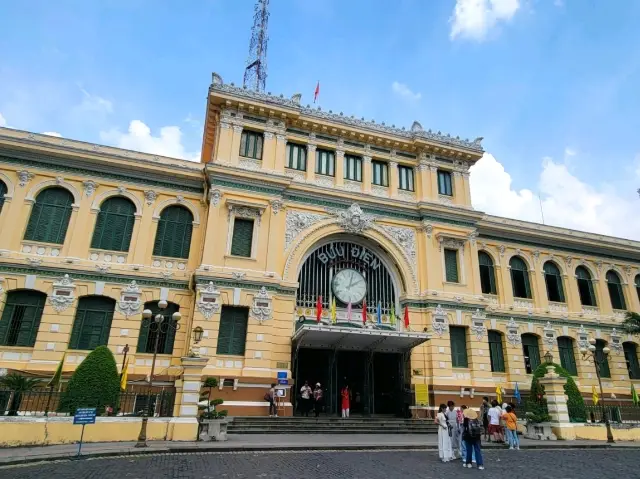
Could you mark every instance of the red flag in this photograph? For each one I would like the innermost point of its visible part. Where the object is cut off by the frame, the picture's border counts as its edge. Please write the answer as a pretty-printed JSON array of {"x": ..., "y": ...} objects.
[
  {"x": 319, "y": 308},
  {"x": 364, "y": 311},
  {"x": 406, "y": 317},
  {"x": 317, "y": 92}
]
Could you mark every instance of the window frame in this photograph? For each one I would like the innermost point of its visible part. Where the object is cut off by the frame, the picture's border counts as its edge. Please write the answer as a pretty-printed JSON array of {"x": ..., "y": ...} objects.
[
  {"x": 490, "y": 271},
  {"x": 603, "y": 360},
  {"x": 233, "y": 234},
  {"x": 237, "y": 310},
  {"x": 459, "y": 355},
  {"x": 245, "y": 145},
  {"x": 527, "y": 340},
  {"x": 330, "y": 162},
  {"x": 451, "y": 254},
  {"x": 633, "y": 366},
  {"x": 496, "y": 348},
  {"x": 410, "y": 178},
  {"x": 103, "y": 216},
  {"x": 615, "y": 288},
  {"x": 146, "y": 337},
  {"x": 357, "y": 167},
  {"x": 78, "y": 331},
  {"x": 566, "y": 351},
  {"x": 302, "y": 156},
  {"x": 167, "y": 228},
  {"x": 445, "y": 182},
  {"x": 637, "y": 285},
  {"x": 550, "y": 278},
  {"x": 526, "y": 282},
  {"x": 383, "y": 166},
  {"x": 33, "y": 232},
  {"x": 4, "y": 189},
  {"x": 587, "y": 283},
  {"x": 21, "y": 298}
]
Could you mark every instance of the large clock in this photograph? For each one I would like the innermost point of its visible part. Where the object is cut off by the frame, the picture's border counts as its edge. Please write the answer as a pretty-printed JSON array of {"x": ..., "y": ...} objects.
[{"x": 349, "y": 286}]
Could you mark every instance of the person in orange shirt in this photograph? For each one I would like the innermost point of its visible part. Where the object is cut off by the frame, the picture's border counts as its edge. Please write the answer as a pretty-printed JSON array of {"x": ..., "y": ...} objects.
[{"x": 511, "y": 421}]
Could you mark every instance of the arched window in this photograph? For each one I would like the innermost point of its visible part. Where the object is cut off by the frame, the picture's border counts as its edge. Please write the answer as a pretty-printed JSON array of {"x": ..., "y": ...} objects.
[
  {"x": 92, "y": 323},
  {"x": 520, "y": 278},
  {"x": 531, "y": 352},
  {"x": 631, "y": 356},
  {"x": 496, "y": 351},
  {"x": 3, "y": 191},
  {"x": 114, "y": 224},
  {"x": 166, "y": 335},
  {"x": 21, "y": 317},
  {"x": 605, "y": 372},
  {"x": 50, "y": 216},
  {"x": 567, "y": 355},
  {"x": 585, "y": 287},
  {"x": 553, "y": 280},
  {"x": 615, "y": 290},
  {"x": 173, "y": 237},
  {"x": 637, "y": 282},
  {"x": 487, "y": 274}
]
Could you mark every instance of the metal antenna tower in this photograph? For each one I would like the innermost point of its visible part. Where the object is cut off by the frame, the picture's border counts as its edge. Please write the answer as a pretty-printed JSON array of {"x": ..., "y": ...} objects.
[{"x": 255, "y": 74}]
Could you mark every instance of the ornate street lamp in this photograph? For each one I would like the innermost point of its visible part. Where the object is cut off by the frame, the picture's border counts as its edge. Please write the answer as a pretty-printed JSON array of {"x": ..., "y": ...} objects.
[
  {"x": 159, "y": 324},
  {"x": 548, "y": 357},
  {"x": 197, "y": 334},
  {"x": 590, "y": 354}
]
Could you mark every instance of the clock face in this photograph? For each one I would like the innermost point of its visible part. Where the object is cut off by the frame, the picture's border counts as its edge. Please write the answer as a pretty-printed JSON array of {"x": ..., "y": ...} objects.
[{"x": 349, "y": 286}]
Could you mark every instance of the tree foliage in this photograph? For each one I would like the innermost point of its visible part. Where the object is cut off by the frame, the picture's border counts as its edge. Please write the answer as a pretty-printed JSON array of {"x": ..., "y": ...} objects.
[
  {"x": 95, "y": 383},
  {"x": 631, "y": 323},
  {"x": 537, "y": 410},
  {"x": 207, "y": 404},
  {"x": 18, "y": 385}
]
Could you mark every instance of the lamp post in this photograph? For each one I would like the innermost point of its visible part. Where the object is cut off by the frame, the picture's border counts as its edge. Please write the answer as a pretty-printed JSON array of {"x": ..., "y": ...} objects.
[
  {"x": 125, "y": 350},
  {"x": 590, "y": 354},
  {"x": 159, "y": 324},
  {"x": 548, "y": 357}
]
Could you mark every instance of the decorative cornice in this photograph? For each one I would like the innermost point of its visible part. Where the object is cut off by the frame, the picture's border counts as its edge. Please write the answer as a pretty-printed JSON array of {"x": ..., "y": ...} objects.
[
  {"x": 203, "y": 280},
  {"x": 416, "y": 132}
]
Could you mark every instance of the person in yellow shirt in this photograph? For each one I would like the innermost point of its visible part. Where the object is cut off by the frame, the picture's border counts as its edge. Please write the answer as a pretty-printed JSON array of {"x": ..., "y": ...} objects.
[{"x": 511, "y": 423}]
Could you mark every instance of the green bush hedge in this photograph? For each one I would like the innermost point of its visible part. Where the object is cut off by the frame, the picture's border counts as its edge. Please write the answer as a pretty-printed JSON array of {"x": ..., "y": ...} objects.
[
  {"x": 95, "y": 383},
  {"x": 537, "y": 403}
]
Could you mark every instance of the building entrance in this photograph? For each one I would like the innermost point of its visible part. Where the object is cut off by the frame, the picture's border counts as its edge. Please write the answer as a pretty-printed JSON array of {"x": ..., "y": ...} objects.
[{"x": 376, "y": 380}]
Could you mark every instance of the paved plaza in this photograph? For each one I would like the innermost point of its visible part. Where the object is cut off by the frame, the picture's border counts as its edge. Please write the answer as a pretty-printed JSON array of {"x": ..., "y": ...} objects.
[{"x": 532, "y": 464}]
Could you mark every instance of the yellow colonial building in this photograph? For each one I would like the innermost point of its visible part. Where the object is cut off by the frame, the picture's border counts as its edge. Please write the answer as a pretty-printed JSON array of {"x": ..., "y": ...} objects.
[{"x": 306, "y": 246}]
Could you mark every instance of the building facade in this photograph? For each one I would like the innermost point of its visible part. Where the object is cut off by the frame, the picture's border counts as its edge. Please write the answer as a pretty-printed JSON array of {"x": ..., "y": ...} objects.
[{"x": 307, "y": 245}]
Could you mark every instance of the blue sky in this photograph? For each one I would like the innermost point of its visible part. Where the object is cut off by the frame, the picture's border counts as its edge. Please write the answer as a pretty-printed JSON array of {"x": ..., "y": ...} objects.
[{"x": 549, "y": 84}]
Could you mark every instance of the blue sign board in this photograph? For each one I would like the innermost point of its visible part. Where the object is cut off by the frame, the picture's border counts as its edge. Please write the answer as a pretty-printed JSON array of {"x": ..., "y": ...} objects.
[
  {"x": 283, "y": 381},
  {"x": 85, "y": 415},
  {"x": 282, "y": 375}
]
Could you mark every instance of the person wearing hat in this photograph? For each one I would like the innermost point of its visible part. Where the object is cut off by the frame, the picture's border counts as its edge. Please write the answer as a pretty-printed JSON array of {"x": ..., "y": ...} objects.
[
  {"x": 317, "y": 399},
  {"x": 463, "y": 445},
  {"x": 472, "y": 436}
]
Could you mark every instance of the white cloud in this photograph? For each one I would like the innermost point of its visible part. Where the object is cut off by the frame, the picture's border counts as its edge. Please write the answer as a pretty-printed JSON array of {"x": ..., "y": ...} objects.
[
  {"x": 94, "y": 103},
  {"x": 140, "y": 138},
  {"x": 52, "y": 133},
  {"x": 404, "y": 91},
  {"x": 567, "y": 201},
  {"x": 473, "y": 19},
  {"x": 569, "y": 152}
]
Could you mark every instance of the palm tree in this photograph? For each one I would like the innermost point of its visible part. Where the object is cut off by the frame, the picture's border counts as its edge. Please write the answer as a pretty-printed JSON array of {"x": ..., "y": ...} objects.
[
  {"x": 17, "y": 384},
  {"x": 631, "y": 323}
]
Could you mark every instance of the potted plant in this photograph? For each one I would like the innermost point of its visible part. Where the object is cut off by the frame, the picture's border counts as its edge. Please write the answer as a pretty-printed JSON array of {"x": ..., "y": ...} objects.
[{"x": 213, "y": 423}]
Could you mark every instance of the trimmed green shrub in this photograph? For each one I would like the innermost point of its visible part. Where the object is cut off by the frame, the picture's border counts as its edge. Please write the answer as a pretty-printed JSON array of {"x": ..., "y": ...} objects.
[
  {"x": 537, "y": 403},
  {"x": 95, "y": 383},
  {"x": 208, "y": 405}
]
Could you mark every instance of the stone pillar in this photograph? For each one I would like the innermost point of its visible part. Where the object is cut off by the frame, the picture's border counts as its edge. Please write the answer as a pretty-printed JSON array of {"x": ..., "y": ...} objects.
[
  {"x": 393, "y": 178},
  {"x": 423, "y": 185},
  {"x": 339, "y": 170},
  {"x": 367, "y": 174},
  {"x": 311, "y": 162},
  {"x": 467, "y": 188},
  {"x": 234, "y": 153},
  {"x": 281, "y": 152},
  {"x": 269, "y": 151},
  {"x": 541, "y": 299},
  {"x": 459, "y": 191},
  {"x": 185, "y": 411},
  {"x": 557, "y": 404}
]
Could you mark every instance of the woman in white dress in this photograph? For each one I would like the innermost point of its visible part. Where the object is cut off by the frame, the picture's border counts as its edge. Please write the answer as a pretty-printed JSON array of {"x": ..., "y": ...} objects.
[{"x": 445, "y": 452}]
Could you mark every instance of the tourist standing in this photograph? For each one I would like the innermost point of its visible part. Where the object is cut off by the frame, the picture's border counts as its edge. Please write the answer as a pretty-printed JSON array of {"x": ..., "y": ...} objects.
[
  {"x": 511, "y": 423},
  {"x": 472, "y": 436},
  {"x": 305, "y": 394},
  {"x": 463, "y": 444},
  {"x": 317, "y": 399},
  {"x": 452, "y": 417},
  {"x": 346, "y": 400},
  {"x": 495, "y": 413},
  {"x": 271, "y": 397},
  {"x": 484, "y": 415},
  {"x": 445, "y": 452}
]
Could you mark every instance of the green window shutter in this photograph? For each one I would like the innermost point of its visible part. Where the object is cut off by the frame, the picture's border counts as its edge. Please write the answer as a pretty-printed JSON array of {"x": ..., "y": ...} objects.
[
  {"x": 631, "y": 356},
  {"x": 92, "y": 323},
  {"x": 149, "y": 331},
  {"x": 444, "y": 183},
  {"x": 21, "y": 318},
  {"x": 531, "y": 350},
  {"x": 605, "y": 372},
  {"x": 242, "y": 238},
  {"x": 232, "y": 332},
  {"x": 143, "y": 335},
  {"x": 567, "y": 356},
  {"x": 487, "y": 275},
  {"x": 496, "y": 352},
  {"x": 114, "y": 224},
  {"x": 3, "y": 191},
  {"x": 458, "y": 336},
  {"x": 173, "y": 237},
  {"x": 615, "y": 291},
  {"x": 451, "y": 265},
  {"x": 50, "y": 216}
]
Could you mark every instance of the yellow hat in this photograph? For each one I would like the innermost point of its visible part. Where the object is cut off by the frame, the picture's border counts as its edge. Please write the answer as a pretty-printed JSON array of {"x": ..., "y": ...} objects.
[{"x": 470, "y": 414}]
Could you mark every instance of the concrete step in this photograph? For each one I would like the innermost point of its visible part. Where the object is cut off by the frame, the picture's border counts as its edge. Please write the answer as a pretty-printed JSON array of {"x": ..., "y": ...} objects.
[{"x": 324, "y": 431}]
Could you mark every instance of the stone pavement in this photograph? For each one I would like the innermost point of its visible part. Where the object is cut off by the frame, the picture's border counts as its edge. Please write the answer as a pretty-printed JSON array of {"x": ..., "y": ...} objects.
[
  {"x": 279, "y": 442},
  {"x": 533, "y": 464}
]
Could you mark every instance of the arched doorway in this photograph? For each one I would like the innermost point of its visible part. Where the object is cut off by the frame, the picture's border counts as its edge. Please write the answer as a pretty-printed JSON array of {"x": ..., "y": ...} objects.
[{"x": 359, "y": 339}]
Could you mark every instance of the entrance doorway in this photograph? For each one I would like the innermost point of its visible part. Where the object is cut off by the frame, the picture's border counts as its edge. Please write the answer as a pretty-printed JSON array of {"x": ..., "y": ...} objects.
[{"x": 376, "y": 380}]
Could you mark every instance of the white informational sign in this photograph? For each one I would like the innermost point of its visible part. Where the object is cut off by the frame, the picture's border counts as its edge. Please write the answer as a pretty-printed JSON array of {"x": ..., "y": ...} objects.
[{"x": 281, "y": 393}]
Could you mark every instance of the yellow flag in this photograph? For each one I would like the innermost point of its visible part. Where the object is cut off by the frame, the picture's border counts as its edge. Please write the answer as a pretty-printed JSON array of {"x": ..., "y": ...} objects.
[
  {"x": 499, "y": 394},
  {"x": 125, "y": 374},
  {"x": 57, "y": 376},
  {"x": 333, "y": 311},
  {"x": 594, "y": 395}
]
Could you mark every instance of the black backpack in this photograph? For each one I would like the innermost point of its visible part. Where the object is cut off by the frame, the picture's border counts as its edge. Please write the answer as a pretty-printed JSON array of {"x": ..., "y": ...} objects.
[{"x": 475, "y": 429}]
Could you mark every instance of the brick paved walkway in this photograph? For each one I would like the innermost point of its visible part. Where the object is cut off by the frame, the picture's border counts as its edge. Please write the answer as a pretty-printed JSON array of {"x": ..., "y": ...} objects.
[{"x": 532, "y": 464}]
